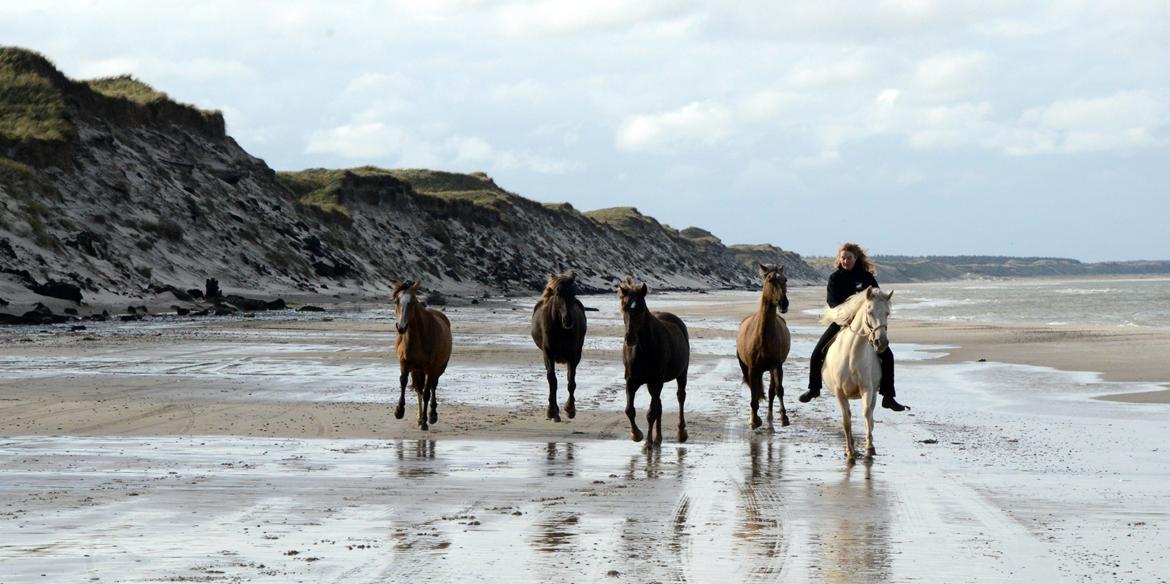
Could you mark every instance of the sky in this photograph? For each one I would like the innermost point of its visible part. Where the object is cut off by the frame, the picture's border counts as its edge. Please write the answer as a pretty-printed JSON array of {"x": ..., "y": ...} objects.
[{"x": 910, "y": 126}]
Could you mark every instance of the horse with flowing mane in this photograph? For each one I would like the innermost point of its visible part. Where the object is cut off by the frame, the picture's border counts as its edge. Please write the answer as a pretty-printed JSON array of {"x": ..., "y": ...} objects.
[
  {"x": 558, "y": 329},
  {"x": 763, "y": 343},
  {"x": 423, "y": 346},
  {"x": 656, "y": 349},
  {"x": 852, "y": 369}
]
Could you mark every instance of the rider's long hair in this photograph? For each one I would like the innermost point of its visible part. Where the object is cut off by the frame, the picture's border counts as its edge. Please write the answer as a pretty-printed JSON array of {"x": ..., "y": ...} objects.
[{"x": 862, "y": 259}]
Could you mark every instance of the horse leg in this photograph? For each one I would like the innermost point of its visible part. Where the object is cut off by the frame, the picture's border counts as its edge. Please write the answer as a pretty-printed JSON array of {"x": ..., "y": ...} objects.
[
  {"x": 571, "y": 404},
  {"x": 777, "y": 391},
  {"x": 870, "y": 398},
  {"x": 654, "y": 415},
  {"x": 635, "y": 433},
  {"x": 401, "y": 409},
  {"x": 550, "y": 369},
  {"x": 418, "y": 381},
  {"x": 433, "y": 386},
  {"x": 757, "y": 386},
  {"x": 846, "y": 425},
  {"x": 682, "y": 398}
]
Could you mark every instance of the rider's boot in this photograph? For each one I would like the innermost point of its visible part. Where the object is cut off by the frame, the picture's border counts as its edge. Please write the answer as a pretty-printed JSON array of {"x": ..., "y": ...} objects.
[{"x": 888, "y": 402}]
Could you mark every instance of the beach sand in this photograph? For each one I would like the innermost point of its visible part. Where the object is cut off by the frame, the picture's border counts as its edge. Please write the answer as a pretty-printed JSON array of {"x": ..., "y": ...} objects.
[{"x": 266, "y": 450}]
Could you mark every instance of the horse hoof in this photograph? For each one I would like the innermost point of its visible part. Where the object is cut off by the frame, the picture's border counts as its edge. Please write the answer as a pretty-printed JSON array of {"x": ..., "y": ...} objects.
[
  {"x": 636, "y": 435},
  {"x": 399, "y": 412},
  {"x": 434, "y": 417},
  {"x": 756, "y": 423},
  {"x": 553, "y": 414},
  {"x": 784, "y": 420},
  {"x": 571, "y": 410},
  {"x": 423, "y": 426},
  {"x": 682, "y": 435}
]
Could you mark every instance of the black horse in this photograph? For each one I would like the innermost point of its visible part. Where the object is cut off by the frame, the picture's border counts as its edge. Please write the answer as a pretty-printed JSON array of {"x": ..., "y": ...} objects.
[
  {"x": 656, "y": 350},
  {"x": 558, "y": 329}
]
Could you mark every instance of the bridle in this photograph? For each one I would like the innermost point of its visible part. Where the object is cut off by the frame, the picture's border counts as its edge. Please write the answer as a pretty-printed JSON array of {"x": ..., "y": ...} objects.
[{"x": 866, "y": 330}]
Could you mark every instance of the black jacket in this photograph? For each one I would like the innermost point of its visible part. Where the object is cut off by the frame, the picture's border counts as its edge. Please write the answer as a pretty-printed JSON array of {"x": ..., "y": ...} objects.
[{"x": 845, "y": 283}]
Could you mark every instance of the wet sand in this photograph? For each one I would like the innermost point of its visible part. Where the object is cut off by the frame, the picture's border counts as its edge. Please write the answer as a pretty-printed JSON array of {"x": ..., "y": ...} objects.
[{"x": 266, "y": 450}]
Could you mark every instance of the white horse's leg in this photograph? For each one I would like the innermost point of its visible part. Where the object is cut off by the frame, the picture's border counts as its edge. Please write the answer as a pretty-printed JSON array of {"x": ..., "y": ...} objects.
[
  {"x": 846, "y": 423},
  {"x": 870, "y": 397}
]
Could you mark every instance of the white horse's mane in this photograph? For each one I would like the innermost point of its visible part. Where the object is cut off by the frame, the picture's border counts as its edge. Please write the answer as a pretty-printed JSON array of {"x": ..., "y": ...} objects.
[{"x": 843, "y": 313}]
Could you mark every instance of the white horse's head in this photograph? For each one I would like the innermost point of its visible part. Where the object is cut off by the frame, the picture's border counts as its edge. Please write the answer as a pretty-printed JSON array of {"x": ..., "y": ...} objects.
[{"x": 873, "y": 316}]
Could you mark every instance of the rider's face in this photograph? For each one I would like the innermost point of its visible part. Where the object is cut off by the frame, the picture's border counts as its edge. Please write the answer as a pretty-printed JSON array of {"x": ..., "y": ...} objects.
[{"x": 847, "y": 259}]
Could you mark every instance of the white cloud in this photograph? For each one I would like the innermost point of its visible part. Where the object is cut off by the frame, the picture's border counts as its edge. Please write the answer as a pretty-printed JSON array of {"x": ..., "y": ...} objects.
[
  {"x": 526, "y": 90},
  {"x": 951, "y": 76},
  {"x": 473, "y": 149},
  {"x": 704, "y": 123},
  {"x": 375, "y": 82},
  {"x": 1120, "y": 121},
  {"x": 366, "y": 140},
  {"x": 558, "y": 17},
  {"x": 835, "y": 70}
]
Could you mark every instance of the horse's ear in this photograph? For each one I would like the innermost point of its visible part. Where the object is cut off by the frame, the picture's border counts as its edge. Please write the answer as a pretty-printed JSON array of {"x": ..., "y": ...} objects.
[
  {"x": 890, "y": 295},
  {"x": 780, "y": 270},
  {"x": 763, "y": 269},
  {"x": 414, "y": 286},
  {"x": 645, "y": 289},
  {"x": 869, "y": 293}
]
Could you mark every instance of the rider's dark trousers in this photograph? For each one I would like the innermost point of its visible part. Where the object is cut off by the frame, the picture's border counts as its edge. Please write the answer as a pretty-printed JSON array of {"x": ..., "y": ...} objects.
[{"x": 886, "y": 388}]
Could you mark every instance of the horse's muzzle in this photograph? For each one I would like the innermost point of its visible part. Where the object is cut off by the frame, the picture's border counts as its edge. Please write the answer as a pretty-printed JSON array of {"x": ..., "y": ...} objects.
[{"x": 401, "y": 328}]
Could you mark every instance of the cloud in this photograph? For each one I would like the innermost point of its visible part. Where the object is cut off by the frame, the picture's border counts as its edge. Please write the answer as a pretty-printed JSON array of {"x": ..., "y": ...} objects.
[
  {"x": 559, "y": 18},
  {"x": 375, "y": 83},
  {"x": 951, "y": 76},
  {"x": 704, "y": 123},
  {"x": 526, "y": 90},
  {"x": 365, "y": 140},
  {"x": 477, "y": 150},
  {"x": 836, "y": 70},
  {"x": 1124, "y": 120}
]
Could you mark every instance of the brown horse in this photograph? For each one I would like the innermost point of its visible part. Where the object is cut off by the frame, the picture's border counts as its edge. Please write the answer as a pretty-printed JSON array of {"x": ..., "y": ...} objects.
[
  {"x": 558, "y": 329},
  {"x": 656, "y": 350},
  {"x": 763, "y": 343},
  {"x": 423, "y": 346}
]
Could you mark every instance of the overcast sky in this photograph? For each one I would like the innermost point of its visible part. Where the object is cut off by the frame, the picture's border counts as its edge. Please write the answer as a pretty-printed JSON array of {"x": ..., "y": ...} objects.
[{"x": 910, "y": 126}]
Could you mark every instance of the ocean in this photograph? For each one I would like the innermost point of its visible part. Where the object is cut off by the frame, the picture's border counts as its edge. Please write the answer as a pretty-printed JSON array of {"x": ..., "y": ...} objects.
[{"x": 1123, "y": 302}]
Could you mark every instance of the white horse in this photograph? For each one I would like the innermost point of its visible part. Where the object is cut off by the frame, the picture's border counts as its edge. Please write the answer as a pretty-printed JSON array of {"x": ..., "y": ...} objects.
[{"x": 852, "y": 369}]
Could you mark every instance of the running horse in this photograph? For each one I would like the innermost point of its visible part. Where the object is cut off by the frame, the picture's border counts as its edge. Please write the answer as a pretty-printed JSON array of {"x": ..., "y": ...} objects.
[
  {"x": 423, "y": 346},
  {"x": 852, "y": 369},
  {"x": 656, "y": 349},
  {"x": 558, "y": 329},
  {"x": 763, "y": 343}
]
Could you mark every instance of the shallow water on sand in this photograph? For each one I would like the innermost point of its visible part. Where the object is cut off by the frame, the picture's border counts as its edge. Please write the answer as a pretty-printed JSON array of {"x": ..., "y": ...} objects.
[{"x": 1001, "y": 473}]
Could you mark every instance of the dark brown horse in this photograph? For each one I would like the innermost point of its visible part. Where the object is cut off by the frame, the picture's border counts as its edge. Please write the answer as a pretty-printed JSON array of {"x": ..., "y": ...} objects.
[
  {"x": 558, "y": 329},
  {"x": 763, "y": 343},
  {"x": 423, "y": 346},
  {"x": 656, "y": 350}
]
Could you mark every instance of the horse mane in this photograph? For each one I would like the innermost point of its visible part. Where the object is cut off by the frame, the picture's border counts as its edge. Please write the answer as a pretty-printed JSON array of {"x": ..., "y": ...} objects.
[
  {"x": 844, "y": 312},
  {"x": 563, "y": 284}
]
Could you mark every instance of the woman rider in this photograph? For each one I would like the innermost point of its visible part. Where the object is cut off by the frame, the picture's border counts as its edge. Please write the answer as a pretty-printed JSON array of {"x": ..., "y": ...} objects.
[{"x": 854, "y": 274}]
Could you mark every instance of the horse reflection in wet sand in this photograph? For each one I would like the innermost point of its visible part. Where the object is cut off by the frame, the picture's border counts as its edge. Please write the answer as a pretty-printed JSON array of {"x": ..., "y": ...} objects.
[
  {"x": 763, "y": 343},
  {"x": 558, "y": 329},
  {"x": 656, "y": 350},
  {"x": 852, "y": 369},
  {"x": 423, "y": 346}
]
